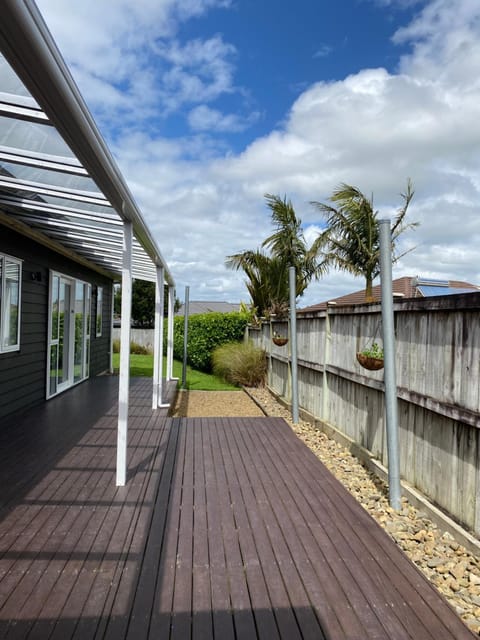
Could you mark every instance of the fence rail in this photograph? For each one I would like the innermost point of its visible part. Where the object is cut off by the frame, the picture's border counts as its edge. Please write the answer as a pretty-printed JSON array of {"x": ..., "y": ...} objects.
[{"x": 438, "y": 386}]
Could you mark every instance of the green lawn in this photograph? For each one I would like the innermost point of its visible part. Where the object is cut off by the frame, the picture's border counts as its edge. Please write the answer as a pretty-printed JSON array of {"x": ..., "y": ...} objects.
[{"x": 143, "y": 366}]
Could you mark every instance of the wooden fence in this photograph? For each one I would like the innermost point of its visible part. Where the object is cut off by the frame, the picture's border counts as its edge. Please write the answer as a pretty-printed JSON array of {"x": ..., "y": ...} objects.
[{"x": 438, "y": 380}]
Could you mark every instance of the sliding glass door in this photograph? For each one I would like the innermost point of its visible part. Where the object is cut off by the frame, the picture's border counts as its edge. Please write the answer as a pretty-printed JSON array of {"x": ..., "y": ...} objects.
[{"x": 69, "y": 333}]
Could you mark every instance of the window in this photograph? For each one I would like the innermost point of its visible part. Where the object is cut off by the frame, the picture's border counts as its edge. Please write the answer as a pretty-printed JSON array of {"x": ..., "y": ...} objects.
[
  {"x": 10, "y": 287},
  {"x": 99, "y": 319}
]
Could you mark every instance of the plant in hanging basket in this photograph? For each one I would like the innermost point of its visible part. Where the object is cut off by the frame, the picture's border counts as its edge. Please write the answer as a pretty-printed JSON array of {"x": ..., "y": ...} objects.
[
  {"x": 279, "y": 340},
  {"x": 371, "y": 358}
]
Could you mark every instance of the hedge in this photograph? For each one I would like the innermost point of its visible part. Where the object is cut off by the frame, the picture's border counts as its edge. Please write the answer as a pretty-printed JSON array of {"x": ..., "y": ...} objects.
[{"x": 206, "y": 331}]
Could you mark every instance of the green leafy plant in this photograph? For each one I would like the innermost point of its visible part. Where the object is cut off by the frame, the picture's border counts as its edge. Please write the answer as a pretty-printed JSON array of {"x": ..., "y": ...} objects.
[
  {"x": 207, "y": 331},
  {"x": 374, "y": 351},
  {"x": 240, "y": 363}
]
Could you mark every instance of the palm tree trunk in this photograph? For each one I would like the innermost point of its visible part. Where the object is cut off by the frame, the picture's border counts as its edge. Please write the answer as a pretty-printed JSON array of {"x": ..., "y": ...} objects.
[{"x": 369, "y": 290}]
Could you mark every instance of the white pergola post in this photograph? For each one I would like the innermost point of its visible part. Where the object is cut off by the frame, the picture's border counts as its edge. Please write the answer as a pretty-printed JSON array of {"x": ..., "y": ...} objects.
[
  {"x": 111, "y": 330},
  {"x": 158, "y": 341},
  {"x": 124, "y": 374},
  {"x": 171, "y": 312}
]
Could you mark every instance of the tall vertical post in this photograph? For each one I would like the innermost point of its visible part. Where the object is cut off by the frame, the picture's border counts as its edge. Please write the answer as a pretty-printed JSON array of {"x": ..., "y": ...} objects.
[
  {"x": 158, "y": 340},
  {"x": 171, "y": 312},
  {"x": 391, "y": 401},
  {"x": 124, "y": 374},
  {"x": 110, "y": 366},
  {"x": 326, "y": 358},
  {"x": 185, "y": 337},
  {"x": 293, "y": 340}
]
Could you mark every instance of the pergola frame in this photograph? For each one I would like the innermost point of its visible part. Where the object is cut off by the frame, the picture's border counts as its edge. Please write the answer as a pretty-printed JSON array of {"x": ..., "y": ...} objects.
[{"x": 102, "y": 227}]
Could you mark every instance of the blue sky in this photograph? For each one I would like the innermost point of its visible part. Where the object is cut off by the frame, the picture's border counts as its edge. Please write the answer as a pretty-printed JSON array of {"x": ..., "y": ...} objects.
[
  {"x": 281, "y": 48},
  {"x": 209, "y": 104}
]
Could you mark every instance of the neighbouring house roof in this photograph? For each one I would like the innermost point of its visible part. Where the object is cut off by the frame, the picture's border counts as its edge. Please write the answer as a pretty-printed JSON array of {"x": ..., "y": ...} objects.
[
  {"x": 406, "y": 287},
  {"x": 58, "y": 181},
  {"x": 208, "y": 307}
]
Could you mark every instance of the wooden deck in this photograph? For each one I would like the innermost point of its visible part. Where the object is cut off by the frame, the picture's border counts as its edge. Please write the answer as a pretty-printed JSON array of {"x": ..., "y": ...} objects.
[{"x": 227, "y": 529}]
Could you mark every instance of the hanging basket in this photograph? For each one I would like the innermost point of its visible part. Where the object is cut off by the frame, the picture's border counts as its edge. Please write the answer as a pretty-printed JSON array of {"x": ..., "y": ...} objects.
[
  {"x": 368, "y": 362},
  {"x": 280, "y": 342}
]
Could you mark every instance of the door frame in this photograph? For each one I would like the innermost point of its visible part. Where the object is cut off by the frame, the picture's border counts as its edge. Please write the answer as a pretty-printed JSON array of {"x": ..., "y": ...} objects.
[{"x": 53, "y": 387}]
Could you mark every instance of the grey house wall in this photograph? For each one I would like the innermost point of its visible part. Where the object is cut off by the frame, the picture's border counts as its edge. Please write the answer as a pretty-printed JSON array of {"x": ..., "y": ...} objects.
[{"x": 23, "y": 373}]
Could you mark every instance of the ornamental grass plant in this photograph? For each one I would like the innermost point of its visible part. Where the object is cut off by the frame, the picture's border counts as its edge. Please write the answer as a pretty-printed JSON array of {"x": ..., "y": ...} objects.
[{"x": 240, "y": 363}]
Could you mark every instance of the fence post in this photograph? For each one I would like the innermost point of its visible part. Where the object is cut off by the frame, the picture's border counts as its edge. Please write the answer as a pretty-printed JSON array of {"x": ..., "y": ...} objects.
[{"x": 326, "y": 358}]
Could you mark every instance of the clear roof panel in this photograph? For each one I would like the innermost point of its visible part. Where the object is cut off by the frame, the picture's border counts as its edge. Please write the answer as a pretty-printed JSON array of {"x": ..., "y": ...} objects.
[
  {"x": 60, "y": 202},
  {"x": 9, "y": 81},
  {"x": 47, "y": 177},
  {"x": 32, "y": 136},
  {"x": 45, "y": 186}
]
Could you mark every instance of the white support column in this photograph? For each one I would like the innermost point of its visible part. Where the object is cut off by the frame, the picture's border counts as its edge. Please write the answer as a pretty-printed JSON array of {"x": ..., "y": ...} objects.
[
  {"x": 124, "y": 375},
  {"x": 111, "y": 329},
  {"x": 171, "y": 312},
  {"x": 158, "y": 342}
]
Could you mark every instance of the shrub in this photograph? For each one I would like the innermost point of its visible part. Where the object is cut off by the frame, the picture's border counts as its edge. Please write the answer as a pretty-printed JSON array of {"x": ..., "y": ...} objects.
[
  {"x": 207, "y": 331},
  {"x": 139, "y": 349},
  {"x": 240, "y": 363},
  {"x": 134, "y": 348}
]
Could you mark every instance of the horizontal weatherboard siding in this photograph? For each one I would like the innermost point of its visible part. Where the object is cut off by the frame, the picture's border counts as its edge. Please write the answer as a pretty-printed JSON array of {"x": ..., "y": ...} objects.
[{"x": 23, "y": 373}]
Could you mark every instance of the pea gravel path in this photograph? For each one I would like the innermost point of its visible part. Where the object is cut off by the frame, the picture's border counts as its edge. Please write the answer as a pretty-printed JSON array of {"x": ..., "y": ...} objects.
[{"x": 448, "y": 565}]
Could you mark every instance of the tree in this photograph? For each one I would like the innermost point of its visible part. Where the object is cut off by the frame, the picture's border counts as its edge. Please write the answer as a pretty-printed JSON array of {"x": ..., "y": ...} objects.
[
  {"x": 351, "y": 240},
  {"x": 265, "y": 284},
  {"x": 143, "y": 303},
  {"x": 267, "y": 274}
]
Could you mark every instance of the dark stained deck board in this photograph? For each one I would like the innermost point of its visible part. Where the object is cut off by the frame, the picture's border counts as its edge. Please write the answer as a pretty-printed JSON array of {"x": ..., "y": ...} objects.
[
  {"x": 100, "y": 573},
  {"x": 84, "y": 556},
  {"x": 284, "y": 529},
  {"x": 377, "y": 555},
  {"x": 262, "y": 597},
  {"x": 227, "y": 529},
  {"x": 126, "y": 575},
  {"x": 340, "y": 577},
  {"x": 219, "y": 584},
  {"x": 241, "y": 607}
]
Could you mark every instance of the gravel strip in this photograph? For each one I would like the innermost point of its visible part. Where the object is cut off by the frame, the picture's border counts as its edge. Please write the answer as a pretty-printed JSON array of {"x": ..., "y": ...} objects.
[{"x": 449, "y": 566}]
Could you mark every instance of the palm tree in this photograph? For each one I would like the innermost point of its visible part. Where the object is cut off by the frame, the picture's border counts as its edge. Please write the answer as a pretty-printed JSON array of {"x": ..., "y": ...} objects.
[
  {"x": 351, "y": 240},
  {"x": 267, "y": 274},
  {"x": 263, "y": 283}
]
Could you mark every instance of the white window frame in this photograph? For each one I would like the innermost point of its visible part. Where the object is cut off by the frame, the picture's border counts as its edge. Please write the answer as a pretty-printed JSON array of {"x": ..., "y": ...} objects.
[{"x": 3, "y": 306}]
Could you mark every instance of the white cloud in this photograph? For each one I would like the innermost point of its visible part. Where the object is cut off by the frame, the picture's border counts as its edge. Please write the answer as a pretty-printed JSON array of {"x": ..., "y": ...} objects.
[
  {"x": 203, "y": 118},
  {"x": 127, "y": 60},
  {"x": 200, "y": 71},
  {"x": 372, "y": 129},
  {"x": 324, "y": 51}
]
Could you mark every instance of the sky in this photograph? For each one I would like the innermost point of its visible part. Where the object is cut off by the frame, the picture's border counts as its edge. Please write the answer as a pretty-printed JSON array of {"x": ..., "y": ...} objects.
[{"x": 208, "y": 105}]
